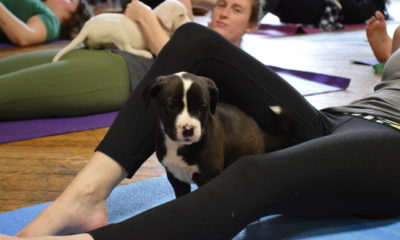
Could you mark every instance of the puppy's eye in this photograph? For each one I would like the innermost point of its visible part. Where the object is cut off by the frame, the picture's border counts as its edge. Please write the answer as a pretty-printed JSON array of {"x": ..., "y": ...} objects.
[
  {"x": 203, "y": 107},
  {"x": 172, "y": 107}
]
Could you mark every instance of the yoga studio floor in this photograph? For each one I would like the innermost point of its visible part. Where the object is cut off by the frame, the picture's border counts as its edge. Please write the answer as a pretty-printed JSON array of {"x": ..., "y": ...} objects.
[{"x": 37, "y": 170}]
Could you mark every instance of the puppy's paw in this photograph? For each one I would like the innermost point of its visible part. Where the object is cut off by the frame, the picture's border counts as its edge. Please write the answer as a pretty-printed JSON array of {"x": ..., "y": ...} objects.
[{"x": 147, "y": 55}]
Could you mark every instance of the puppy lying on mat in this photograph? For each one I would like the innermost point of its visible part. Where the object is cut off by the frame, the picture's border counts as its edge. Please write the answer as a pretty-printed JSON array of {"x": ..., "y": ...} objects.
[
  {"x": 197, "y": 138},
  {"x": 113, "y": 28}
]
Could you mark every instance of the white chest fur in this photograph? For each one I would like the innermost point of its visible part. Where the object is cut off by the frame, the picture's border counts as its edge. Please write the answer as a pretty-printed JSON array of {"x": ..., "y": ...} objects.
[{"x": 175, "y": 164}]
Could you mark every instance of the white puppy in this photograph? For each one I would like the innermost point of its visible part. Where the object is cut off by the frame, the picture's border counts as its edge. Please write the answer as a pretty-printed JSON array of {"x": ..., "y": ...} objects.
[{"x": 113, "y": 28}]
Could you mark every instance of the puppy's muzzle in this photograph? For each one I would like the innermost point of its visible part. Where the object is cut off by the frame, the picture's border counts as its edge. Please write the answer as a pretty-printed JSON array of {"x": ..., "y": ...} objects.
[{"x": 187, "y": 131}]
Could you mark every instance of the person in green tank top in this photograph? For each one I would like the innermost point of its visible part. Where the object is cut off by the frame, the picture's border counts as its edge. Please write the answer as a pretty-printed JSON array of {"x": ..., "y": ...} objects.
[{"x": 29, "y": 22}]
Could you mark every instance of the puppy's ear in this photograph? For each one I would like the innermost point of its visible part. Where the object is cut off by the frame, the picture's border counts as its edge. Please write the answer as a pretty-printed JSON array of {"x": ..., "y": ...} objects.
[
  {"x": 213, "y": 90},
  {"x": 164, "y": 13},
  {"x": 152, "y": 89}
]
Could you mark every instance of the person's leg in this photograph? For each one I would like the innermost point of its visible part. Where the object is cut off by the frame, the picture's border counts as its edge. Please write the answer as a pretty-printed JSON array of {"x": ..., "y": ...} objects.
[
  {"x": 25, "y": 60},
  {"x": 294, "y": 11},
  {"x": 378, "y": 37},
  {"x": 396, "y": 40},
  {"x": 353, "y": 171},
  {"x": 84, "y": 82},
  {"x": 357, "y": 11},
  {"x": 242, "y": 81}
]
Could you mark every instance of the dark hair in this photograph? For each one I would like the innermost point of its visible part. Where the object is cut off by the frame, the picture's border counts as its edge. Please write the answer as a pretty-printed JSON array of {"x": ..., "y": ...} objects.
[
  {"x": 71, "y": 27},
  {"x": 256, "y": 11}
]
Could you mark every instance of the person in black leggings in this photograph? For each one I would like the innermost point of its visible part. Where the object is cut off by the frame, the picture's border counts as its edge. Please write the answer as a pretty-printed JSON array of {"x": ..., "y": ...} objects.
[
  {"x": 310, "y": 11},
  {"x": 341, "y": 162}
]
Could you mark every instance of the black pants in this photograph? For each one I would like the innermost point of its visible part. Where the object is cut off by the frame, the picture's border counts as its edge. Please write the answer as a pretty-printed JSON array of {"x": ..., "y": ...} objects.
[
  {"x": 310, "y": 11},
  {"x": 336, "y": 165},
  {"x": 150, "y": 3}
]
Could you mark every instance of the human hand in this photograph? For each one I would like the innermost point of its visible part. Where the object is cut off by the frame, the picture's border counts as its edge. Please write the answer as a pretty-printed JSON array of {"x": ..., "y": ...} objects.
[{"x": 138, "y": 11}]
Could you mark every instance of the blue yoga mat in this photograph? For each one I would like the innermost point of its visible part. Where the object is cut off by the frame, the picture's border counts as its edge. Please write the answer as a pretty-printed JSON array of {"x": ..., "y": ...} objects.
[{"x": 129, "y": 200}]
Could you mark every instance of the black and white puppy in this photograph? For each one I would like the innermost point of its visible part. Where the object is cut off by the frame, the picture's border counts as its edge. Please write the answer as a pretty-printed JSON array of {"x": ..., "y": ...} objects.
[{"x": 197, "y": 138}]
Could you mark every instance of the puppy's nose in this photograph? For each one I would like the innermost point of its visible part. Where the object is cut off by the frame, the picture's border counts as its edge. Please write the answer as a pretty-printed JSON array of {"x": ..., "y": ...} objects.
[{"x": 187, "y": 131}]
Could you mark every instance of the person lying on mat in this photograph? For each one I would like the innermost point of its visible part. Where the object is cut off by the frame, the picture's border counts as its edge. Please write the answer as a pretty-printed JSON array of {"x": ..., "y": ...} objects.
[
  {"x": 96, "y": 81},
  {"x": 382, "y": 45},
  {"x": 341, "y": 161},
  {"x": 326, "y": 14},
  {"x": 30, "y": 22}
]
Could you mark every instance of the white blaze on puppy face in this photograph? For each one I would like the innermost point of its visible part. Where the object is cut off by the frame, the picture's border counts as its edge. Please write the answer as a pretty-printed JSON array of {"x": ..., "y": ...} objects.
[{"x": 184, "y": 119}]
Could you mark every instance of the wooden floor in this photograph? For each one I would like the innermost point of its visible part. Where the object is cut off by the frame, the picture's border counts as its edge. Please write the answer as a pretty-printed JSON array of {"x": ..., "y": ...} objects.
[{"x": 37, "y": 170}]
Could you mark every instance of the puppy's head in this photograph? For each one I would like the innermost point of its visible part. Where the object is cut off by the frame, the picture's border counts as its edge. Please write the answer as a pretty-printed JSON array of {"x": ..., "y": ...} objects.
[
  {"x": 184, "y": 103},
  {"x": 172, "y": 14}
]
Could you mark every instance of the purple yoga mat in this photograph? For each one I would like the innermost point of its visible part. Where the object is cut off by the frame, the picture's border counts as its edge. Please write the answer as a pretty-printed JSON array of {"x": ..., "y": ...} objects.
[
  {"x": 307, "y": 83},
  {"x": 10, "y": 45},
  {"x": 339, "y": 83},
  {"x": 26, "y": 129},
  {"x": 280, "y": 30}
]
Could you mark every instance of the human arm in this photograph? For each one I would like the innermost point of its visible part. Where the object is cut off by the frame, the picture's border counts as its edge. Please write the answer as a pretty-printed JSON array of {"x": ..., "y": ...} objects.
[
  {"x": 154, "y": 33},
  {"x": 22, "y": 34}
]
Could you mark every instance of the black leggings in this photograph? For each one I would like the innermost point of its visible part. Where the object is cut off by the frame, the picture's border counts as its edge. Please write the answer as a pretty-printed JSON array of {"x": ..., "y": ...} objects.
[
  {"x": 310, "y": 11},
  {"x": 336, "y": 164}
]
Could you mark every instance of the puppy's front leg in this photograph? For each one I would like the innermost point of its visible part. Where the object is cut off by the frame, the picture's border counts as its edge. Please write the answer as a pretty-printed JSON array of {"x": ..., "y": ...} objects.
[
  {"x": 180, "y": 188},
  {"x": 128, "y": 48},
  {"x": 202, "y": 178}
]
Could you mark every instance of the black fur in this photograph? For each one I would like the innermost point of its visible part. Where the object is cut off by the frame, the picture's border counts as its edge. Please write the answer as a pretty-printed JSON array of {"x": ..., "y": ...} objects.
[{"x": 226, "y": 132}]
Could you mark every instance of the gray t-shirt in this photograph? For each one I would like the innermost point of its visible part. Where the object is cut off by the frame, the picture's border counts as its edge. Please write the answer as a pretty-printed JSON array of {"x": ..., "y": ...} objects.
[
  {"x": 385, "y": 100},
  {"x": 137, "y": 66}
]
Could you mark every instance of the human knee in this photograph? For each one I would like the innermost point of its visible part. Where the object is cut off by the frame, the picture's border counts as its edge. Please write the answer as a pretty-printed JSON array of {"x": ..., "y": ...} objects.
[
  {"x": 193, "y": 37},
  {"x": 248, "y": 166}
]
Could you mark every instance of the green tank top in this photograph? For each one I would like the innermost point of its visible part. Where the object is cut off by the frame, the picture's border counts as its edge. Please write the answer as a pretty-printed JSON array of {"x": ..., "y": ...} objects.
[{"x": 25, "y": 9}]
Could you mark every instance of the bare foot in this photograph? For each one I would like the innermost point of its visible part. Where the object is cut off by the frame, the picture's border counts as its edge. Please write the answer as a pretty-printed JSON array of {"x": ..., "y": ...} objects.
[
  {"x": 67, "y": 217},
  {"x": 378, "y": 37},
  {"x": 396, "y": 40}
]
